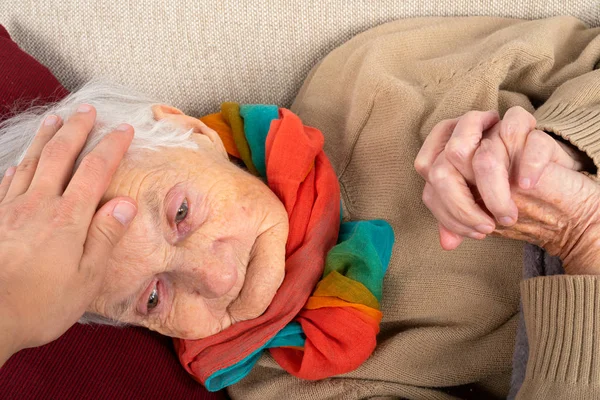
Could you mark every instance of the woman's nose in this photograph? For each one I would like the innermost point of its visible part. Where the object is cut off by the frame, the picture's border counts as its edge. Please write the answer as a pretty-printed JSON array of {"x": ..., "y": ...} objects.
[
  {"x": 216, "y": 274},
  {"x": 213, "y": 280}
]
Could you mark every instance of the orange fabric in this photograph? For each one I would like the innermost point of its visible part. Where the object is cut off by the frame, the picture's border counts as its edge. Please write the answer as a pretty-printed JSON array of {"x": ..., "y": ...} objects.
[
  {"x": 338, "y": 285},
  {"x": 217, "y": 123},
  {"x": 331, "y": 343},
  {"x": 300, "y": 174},
  {"x": 315, "y": 302}
]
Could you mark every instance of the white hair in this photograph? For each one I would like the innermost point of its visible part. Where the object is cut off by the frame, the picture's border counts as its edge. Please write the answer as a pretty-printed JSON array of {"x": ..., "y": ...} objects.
[{"x": 115, "y": 104}]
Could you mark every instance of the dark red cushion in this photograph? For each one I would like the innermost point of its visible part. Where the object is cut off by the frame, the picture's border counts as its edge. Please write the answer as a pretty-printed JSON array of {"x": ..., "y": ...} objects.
[
  {"x": 23, "y": 80},
  {"x": 87, "y": 362}
]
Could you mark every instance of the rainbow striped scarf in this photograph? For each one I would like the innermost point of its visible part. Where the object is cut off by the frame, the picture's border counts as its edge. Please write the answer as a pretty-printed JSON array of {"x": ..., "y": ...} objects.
[{"x": 325, "y": 317}]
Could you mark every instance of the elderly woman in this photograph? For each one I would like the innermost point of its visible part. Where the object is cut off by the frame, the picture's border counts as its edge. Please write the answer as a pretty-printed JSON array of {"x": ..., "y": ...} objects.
[{"x": 207, "y": 250}]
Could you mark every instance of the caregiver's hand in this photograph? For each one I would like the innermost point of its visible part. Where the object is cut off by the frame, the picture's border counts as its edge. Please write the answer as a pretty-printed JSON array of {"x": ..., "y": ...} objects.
[
  {"x": 54, "y": 245},
  {"x": 465, "y": 182}
]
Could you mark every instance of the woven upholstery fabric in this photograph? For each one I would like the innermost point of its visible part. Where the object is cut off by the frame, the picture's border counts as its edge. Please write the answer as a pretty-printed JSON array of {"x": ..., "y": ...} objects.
[{"x": 196, "y": 54}]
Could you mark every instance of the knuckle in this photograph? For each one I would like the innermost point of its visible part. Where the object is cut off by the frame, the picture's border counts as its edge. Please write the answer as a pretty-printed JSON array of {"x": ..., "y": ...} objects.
[
  {"x": 81, "y": 194},
  {"x": 473, "y": 116},
  {"x": 57, "y": 148},
  {"x": 29, "y": 164},
  {"x": 439, "y": 174},
  {"x": 484, "y": 161},
  {"x": 24, "y": 210},
  {"x": 532, "y": 164},
  {"x": 520, "y": 114},
  {"x": 461, "y": 213},
  {"x": 456, "y": 151},
  {"x": 94, "y": 165},
  {"x": 507, "y": 132},
  {"x": 65, "y": 214},
  {"x": 421, "y": 166},
  {"x": 106, "y": 233},
  {"x": 540, "y": 137}
]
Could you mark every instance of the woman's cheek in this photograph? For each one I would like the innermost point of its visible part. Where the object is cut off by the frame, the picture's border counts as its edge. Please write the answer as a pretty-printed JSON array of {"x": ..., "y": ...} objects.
[{"x": 188, "y": 320}]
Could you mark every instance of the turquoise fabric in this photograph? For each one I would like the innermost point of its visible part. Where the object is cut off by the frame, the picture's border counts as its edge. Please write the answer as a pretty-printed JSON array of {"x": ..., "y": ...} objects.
[
  {"x": 290, "y": 335},
  {"x": 257, "y": 122},
  {"x": 362, "y": 252}
]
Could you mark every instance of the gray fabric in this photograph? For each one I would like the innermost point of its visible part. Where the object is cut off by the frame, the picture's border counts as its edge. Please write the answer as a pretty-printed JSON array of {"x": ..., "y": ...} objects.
[
  {"x": 195, "y": 54},
  {"x": 536, "y": 262}
]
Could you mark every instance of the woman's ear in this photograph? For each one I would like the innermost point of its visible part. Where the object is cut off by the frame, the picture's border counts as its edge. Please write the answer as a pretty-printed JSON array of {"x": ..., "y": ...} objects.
[
  {"x": 175, "y": 115},
  {"x": 161, "y": 111}
]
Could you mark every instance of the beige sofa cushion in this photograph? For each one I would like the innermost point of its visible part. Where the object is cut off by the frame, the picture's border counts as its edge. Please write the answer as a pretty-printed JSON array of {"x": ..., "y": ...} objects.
[{"x": 195, "y": 54}]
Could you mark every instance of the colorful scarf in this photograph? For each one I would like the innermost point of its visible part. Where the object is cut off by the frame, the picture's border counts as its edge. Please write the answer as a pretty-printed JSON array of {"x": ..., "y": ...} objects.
[{"x": 324, "y": 319}]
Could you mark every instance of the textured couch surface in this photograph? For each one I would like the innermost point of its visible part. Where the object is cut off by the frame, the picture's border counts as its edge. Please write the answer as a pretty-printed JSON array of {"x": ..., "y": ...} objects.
[{"x": 196, "y": 53}]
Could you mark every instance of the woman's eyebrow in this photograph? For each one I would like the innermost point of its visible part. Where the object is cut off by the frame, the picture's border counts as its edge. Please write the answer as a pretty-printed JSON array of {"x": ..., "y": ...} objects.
[
  {"x": 122, "y": 307},
  {"x": 154, "y": 205}
]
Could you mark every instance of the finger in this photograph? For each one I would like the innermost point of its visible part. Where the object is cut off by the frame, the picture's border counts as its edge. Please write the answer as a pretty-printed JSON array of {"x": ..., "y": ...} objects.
[
  {"x": 433, "y": 146},
  {"x": 448, "y": 239},
  {"x": 6, "y": 180},
  {"x": 465, "y": 140},
  {"x": 490, "y": 165},
  {"x": 59, "y": 155},
  {"x": 93, "y": 175},
  {"x": 264, "y": 275},
  {"x": 28, "y": 166},
  {"x": 445, "y": 218},
  {"x": 108, "y": 226},
  {"x": 455, "y": 196},
  {"x": 514, "y": 128},
  {"x": 541, "y": 149}
]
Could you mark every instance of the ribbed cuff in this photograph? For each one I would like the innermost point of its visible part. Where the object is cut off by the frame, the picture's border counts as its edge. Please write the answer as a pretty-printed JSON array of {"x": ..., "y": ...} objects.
[
  {"x": 562, "y": 315},
  {"x": 579, "y": 125}
]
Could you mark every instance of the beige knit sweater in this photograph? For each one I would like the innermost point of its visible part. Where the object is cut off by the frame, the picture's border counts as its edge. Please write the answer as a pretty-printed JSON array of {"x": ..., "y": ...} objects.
[{"x": 450, "y": 317}]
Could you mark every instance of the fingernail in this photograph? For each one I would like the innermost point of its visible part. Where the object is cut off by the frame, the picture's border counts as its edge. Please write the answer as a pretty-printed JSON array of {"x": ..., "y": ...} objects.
[
  {"x": 476, "y": 235},
  {"x": 506, "y": 220},
  {"x": 124, "y": 212},
  {"x": 122, "y": 127},
  {"x": 84, "y": 108},
  {"x": 50, "y": 120},
  {"x": 11, "y": 171},
  {"x": 484, "y": 228},
  {"x": 525, "y": 183}
]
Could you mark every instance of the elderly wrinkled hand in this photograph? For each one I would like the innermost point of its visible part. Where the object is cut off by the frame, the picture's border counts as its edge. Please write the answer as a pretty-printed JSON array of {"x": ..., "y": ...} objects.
[
  {"x": 469, "y": 163},
  {"x": 54, "y": 245}
]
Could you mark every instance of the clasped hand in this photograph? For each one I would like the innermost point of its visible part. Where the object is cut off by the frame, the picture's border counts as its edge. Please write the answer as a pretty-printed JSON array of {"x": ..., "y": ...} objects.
[{"x": 504, "y": 177}]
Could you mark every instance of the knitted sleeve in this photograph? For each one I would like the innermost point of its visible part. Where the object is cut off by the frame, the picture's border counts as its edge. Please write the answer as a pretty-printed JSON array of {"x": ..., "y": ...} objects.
[{"x": 562, "y": 312}]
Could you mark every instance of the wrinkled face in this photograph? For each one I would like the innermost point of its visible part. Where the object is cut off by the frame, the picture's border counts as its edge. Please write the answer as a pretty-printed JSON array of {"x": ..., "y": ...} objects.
[{"x": 206, "y": 249}]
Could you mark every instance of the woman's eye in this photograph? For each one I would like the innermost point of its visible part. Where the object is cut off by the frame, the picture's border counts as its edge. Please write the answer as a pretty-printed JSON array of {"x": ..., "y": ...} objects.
[
  {"x": 181, "y": 212},
  {"x": 153, "y": 299}
]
